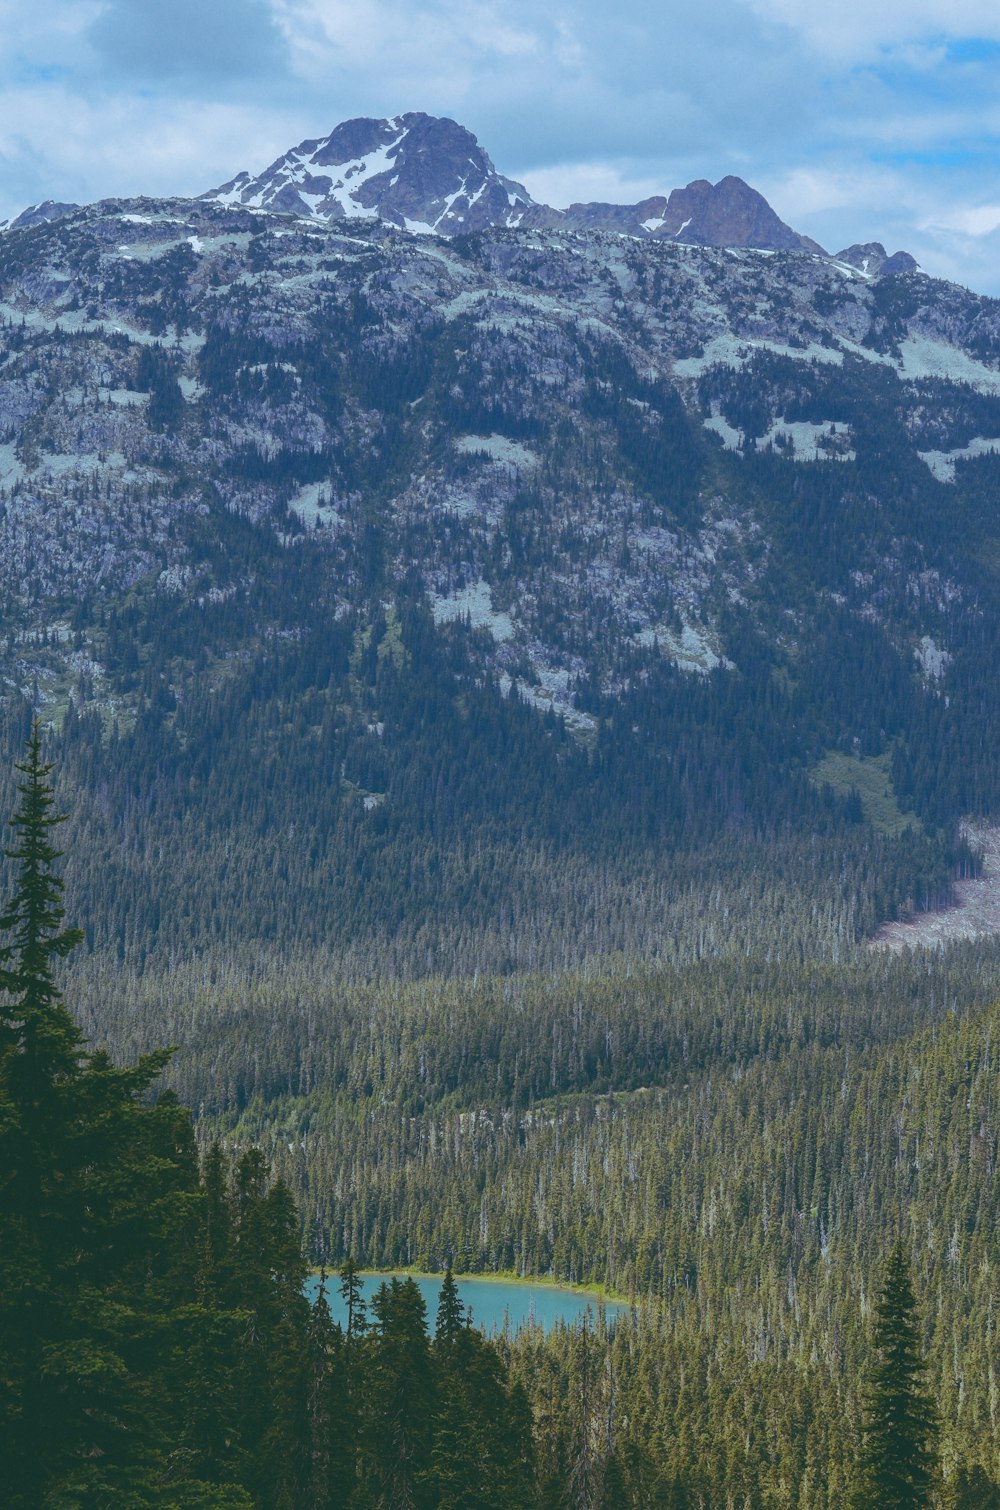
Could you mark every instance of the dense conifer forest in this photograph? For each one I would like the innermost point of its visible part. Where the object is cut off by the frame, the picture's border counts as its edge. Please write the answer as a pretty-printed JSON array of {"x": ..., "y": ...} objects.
[
  {"x": 734, "y": 1145},
  {"x": 530, "y": 940}
]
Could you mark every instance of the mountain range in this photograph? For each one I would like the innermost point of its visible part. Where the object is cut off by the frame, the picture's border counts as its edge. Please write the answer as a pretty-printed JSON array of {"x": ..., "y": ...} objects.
[
  {"x": 429, "y": 175},
  {"x": 702, "y": 538},
  {"x": 501, "y": 667}
]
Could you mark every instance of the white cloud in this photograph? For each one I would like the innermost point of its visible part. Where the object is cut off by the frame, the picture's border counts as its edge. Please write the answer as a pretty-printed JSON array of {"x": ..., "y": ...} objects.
[
  {"x": 811, "y": 191},
  {"x": 43, "y": 41},
  {"x": 187, "y": 41},
  {"x": 859, "y": 31},
  {"x": 586, "y": 183},
  {"x": 392, "y": 36},
  {"x": 125, "y": 146},
  {"x": 941, "y": 218},
  {"x": 968, "y": 220}
]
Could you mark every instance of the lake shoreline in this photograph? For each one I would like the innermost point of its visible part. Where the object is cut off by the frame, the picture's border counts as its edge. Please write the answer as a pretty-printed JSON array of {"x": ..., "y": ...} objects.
[{"x": 494, "y": 1276}]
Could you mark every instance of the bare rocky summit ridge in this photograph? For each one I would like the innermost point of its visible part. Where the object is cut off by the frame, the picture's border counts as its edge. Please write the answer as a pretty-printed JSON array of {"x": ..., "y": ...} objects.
[
  {"x": 729, "y": 213},
  {"x": 40, "y": 214},
  {"x": 429, "y": 174},
  {"x": 872, "y": 258},
  {"x": 415, "y": 171}
]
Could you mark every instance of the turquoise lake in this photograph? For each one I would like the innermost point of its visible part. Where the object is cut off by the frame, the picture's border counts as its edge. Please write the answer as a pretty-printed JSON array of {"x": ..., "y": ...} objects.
[{"x": 495, "y": 1303}]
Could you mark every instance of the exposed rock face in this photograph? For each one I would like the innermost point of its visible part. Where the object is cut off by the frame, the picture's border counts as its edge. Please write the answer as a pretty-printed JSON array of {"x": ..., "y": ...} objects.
[
  {"x": 39, "y": 214},
  {"x": 871, "y": 257},
  {"x": 415, "y": 171},
  {"x": 550, "y": 427},
  {"x": 728, "y": 213},
  {"x": 426, "y": 173}
]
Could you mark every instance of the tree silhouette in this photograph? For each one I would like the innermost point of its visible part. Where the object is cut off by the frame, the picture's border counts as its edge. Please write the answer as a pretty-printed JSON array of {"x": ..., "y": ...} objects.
[
  {"x": 898, "y": 1459},
  {"x": 39, "y": 1039},
  {"x": 82, "y": 1167}
]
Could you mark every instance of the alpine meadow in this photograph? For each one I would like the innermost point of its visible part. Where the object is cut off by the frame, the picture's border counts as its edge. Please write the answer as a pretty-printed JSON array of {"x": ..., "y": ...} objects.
[{"x": 500, "y": 718}]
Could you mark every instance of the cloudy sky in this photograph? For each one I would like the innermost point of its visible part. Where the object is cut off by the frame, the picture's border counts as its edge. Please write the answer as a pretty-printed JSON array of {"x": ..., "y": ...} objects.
[{"x": 859, "y": 121}]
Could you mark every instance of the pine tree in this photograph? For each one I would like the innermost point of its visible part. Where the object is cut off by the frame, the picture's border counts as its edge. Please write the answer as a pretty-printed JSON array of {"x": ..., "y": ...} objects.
[
  {"x": 354, "y": 1299},
  {"x": 86, "y": 1174},
  {"x": 898, "y": 1459},
  {"x": 39, "y": 1041},
  {"x": 450, "y": 1316},
  {"x": 403, "y": 1398}
]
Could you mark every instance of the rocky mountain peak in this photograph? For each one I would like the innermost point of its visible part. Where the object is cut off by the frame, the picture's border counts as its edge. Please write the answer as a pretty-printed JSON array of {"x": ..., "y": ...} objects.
[
  {"x": 416, "y": 171},
  {"x": 871, "y": 258},
  {"x": 40, "y": 214},
  {"x": 729, "y": 213}
]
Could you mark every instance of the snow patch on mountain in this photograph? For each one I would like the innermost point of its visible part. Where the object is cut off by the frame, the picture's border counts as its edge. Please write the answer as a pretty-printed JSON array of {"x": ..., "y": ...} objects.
[
  {"x": 736, "y": 351},
  {"x": 797, "y": 440},
  {"x": 312, "y": 504},
  {"x": 732, "y": 439},
  {"x": 693, "y": 649},
  {"x": 498, "y": 448},
  {"x": 476, "y": 603},
  {"x": 933, "y": 661},
  {"x": 550, "y": 693},
  {"x": 925, "y": 357},
  {"x": 803, "y": 440},
  {"x": 942, "y": 463}
]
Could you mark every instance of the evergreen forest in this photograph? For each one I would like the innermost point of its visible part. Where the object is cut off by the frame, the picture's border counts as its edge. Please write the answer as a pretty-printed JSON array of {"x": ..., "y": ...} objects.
[
  {"x": 497, "y": 691},
  {"x": 734, "y": 1147}
]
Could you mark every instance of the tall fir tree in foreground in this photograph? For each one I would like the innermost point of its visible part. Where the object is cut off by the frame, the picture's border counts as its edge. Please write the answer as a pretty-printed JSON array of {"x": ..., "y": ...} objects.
[
  {"x": 898, "y": 1460},
  {"x": 156, "y": 1346},
  {"x": 87, "y": 1176}
]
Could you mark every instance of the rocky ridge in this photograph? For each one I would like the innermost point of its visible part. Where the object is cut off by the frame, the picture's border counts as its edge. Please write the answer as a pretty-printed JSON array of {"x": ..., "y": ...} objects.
[
  {"x": 549, "y": 431},
  {"x": 872, "y": 259},
  {"x": 429, "y": 174}
]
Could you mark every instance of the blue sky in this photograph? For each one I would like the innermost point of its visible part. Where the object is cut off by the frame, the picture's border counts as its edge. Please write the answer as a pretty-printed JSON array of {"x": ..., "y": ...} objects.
[{"x": 859, "y": 122}]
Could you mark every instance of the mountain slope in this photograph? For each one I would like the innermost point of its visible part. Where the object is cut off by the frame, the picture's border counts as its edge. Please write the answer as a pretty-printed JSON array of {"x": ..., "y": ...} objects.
[
  {"x": 728, "y": 213},
  {"x": 426, "y": 173},
  {"x": 665, "y": 525},
  {"x": 414, "y": 171}
]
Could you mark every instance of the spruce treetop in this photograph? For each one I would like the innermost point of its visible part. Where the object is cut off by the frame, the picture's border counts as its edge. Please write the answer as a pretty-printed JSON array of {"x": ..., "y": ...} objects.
[
  {"x": 899, "y": 1459},
  {"x": 34, "y": 1024}
]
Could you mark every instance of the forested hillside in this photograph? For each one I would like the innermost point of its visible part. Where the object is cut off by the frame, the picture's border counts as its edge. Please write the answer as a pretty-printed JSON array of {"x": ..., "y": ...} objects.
[
  {"x": 579, "y": 581},
  {"x": 498, "y": 688},
  {"x": 157, "y": 1349}
]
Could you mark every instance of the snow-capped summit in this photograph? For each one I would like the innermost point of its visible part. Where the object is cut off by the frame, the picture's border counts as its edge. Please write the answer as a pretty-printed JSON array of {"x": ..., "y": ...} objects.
[
  {"x": 416, "y": 171},
  {"x": 428, "y": 174}
]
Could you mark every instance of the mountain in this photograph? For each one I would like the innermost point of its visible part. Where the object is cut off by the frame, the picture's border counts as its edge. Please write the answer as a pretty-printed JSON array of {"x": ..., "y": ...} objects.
[
  {"x": 414, "y": 171},
  {"x": 564, "y": 573},
  {"x": 728, "y": 213},
  {"x": 428, "y": 174},
  {"x": 872, "y": 259},
  {"x": 38, "y": 214}
]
